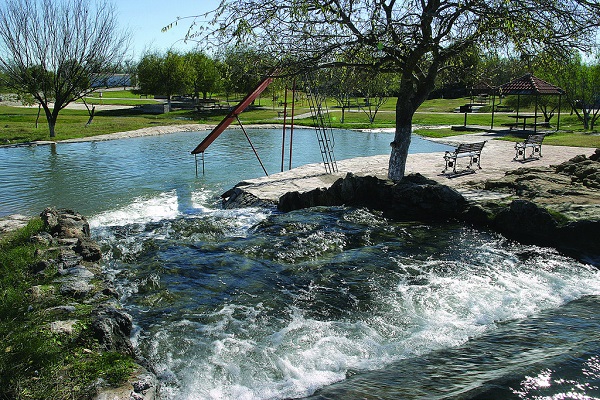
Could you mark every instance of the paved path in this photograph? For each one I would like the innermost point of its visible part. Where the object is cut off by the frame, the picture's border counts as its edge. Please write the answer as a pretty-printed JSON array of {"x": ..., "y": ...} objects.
[{"x": 497, "y": 158}]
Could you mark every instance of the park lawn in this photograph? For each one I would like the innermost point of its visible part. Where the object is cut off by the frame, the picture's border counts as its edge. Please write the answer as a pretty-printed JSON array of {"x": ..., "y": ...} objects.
[
  {"x": 561, "y": 138},
  {"x": 443, "y": 105},
  {"x": 118, "y": 102},
  {"x": 17, "y": 124},
  {"x": 433, "y": 119},
  {"x": 119, "y": 94}
]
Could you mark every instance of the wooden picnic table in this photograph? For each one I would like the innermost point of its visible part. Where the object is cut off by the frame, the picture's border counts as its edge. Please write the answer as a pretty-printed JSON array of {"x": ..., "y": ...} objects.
[{"x": 524, "y": 117}]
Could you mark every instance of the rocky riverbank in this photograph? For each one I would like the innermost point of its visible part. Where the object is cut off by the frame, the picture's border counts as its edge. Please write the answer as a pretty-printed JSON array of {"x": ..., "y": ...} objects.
[
  {"x": 555, "y": 206},
  {"x": 73, "y": 259}
]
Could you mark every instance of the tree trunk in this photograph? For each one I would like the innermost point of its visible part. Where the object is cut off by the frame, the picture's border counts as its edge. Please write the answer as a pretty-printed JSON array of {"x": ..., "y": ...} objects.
[
  {"x": 51, "y": 118},
  {"x": 399, "y": 153},
  {"x": 38, "y": 115},
  {"x": 586, "y": 119},
  {"x": 404, "y": 114},
  {"x": 91, "y": 112},
  {"x": 51, "y": 126}
]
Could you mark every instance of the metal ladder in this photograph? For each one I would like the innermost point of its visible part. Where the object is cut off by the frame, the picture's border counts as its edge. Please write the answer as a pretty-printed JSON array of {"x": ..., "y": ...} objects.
[{"x": 322, "y": 124}]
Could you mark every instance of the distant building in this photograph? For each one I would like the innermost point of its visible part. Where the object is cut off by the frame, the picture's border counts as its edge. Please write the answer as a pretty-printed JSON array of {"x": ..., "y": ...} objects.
[{"x": 109, "y": 81}]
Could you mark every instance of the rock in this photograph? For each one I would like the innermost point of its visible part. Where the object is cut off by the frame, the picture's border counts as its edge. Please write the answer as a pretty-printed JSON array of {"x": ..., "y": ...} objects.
[
  {"x": 77, "y": 288},
  {"x": 80, "y": 272},
  {"x": 43, "y": 239},
  {"x": 110, "y": 292},
  {"x": 61, "y": 310},
  {"x": 237, "y": 197},
  {"x": 582, "y": 170},
  {"x": 66, "y": 259},
  {"x": 13, "y": 222},
  {"x": 88, "y": 249},
  {"x": 112, "y": 328},
  {"x": 143, "y": 386},
  {"x": 415, "y": 197},
  {"x": 39, "y": 292},
  {"x": 63, "y": 327},
  {"x": 570, "y": 189},
  {"x": 43, "y": 265},
  {"x": 557, "y": 206},
  {"x": 69, "y": 249},
  {"x": 580, "y": 236},
  {"x": 146, "y": 385},
  {"x": 65, "y": 223},
  {"x": 526, "y": 222}
]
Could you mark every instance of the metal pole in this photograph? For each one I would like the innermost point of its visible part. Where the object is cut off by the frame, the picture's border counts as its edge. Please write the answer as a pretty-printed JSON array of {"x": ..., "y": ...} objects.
[
  {"x": 284, "y": 121},
  {"x": 493, "y": 107},
  {"x": 537, "y": 99},
  {"x": 251, "y": 145},
  {"x": 558, "y": 120},
  {"x": 292, "y": 123}
]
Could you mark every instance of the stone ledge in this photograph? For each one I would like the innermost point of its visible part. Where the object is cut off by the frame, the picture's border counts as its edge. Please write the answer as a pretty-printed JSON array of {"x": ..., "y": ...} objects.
[{"x": 71, "y": 259}]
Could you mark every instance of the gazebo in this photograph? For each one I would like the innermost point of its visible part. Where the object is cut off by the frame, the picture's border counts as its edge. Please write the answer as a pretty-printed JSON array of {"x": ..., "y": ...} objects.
[
  {"x": 528, "y": 85},
  {"x": 482, "y": 90}
]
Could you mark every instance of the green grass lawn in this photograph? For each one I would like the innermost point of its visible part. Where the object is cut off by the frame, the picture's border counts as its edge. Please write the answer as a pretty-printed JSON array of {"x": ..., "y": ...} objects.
[{"x": 433, "y": 119}]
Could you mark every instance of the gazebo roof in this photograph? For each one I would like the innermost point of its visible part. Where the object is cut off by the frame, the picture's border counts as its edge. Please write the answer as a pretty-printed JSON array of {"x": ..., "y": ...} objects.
[
  {"x": 531, "y": 85},
  {"x": 482, "y": 87}
]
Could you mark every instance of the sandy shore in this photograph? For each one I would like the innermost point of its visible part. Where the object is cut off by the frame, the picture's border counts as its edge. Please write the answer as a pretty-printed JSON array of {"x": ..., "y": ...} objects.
[
  {"x": 149, "y": 131},
  {"x": 162, "y": 130}
]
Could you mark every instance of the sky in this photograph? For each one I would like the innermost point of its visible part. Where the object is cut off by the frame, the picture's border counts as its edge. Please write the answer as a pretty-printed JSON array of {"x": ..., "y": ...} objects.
[{"x": 146, "y": 18}]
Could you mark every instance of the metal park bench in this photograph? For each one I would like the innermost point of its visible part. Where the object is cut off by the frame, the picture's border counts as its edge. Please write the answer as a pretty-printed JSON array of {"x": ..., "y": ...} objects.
[
  {"x": 534, "y": 142},
  {"x": 471, "y": 150}
]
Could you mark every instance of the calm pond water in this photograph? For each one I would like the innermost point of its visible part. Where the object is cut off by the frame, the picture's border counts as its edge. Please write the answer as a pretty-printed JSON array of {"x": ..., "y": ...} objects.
[
  {"x": 325, "y": 303},
  {"x": 91, "y": 177}
]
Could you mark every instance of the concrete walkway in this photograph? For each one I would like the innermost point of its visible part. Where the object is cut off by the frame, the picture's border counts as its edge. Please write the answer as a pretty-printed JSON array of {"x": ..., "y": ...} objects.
[{"x": 496, "y": 158}]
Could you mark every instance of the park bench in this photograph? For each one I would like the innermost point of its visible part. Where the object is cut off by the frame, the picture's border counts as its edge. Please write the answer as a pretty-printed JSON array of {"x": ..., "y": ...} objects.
[
  {"x": 471, "y": 150},
  {"x": 534, "y": 142}
]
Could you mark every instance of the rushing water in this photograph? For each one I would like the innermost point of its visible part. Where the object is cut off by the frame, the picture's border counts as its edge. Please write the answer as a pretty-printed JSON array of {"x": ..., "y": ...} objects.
[{"x": 326, "y": 303}]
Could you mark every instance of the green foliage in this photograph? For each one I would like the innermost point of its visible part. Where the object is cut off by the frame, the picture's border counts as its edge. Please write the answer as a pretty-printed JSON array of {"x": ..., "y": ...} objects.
[
  {"x": 580, "y": 81},
  {"x": 243, "y": 69},
  {"x": 111, "y": 366},
  {"x": 206, "y": 77},
  {"x": 167, "y": 74}
]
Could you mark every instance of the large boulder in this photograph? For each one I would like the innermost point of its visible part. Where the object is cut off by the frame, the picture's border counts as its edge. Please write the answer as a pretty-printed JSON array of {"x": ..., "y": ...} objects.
[
  {"x": 415, "y": 197},
  {"x": 112, "y": 328},
  {"x": 585, "y": 171},
  {"x": 527, "y": 223},
  {"x": 64, "y": 223},
  {"x": 88, "y": 249}
]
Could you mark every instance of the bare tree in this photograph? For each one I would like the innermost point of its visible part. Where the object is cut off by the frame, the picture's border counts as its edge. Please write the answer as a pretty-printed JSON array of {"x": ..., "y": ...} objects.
[
  {"x": 339, "y": 83},
  {"x": 53, "y": 50},
  {"x": 581, "y": 83},
  {"x": 412, "y": 38},
  {"x": 374, "y": 88}
]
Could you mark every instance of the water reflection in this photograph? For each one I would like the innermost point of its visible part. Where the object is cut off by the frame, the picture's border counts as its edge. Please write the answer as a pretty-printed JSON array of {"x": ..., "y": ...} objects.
[{"x": 94, "y": 177}]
